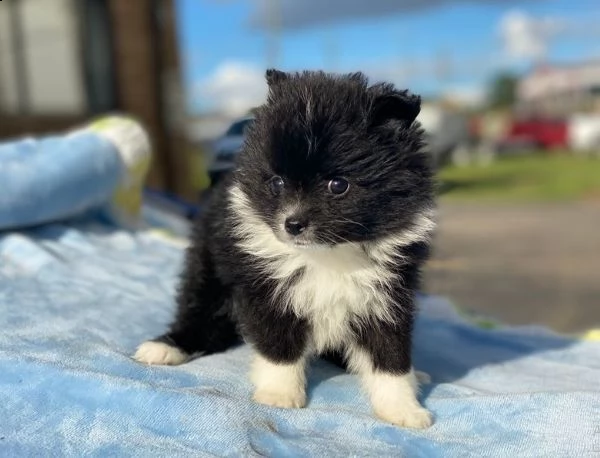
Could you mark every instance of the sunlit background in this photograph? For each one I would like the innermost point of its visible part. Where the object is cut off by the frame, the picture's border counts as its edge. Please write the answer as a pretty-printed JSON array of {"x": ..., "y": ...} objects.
[{"x": 511, "y": 96}]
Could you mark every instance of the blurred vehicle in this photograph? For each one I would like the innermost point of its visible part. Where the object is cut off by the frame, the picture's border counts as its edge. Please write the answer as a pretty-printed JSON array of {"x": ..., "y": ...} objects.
[
  {"x": 225, "y": 149},
  {"x": 584, "y": 133},
  {"x": 447, "y": 135},
  {"x": 535, "y": 133},
  {"x": 579, "y": 132}
]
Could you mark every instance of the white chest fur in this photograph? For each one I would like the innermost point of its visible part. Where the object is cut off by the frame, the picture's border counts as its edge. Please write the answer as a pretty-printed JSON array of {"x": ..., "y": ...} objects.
[{"x": 336, "y": 284}]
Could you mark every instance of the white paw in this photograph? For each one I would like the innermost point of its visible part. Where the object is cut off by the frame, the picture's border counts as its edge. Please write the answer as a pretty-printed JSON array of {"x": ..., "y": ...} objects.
[
  {"x": 283, "y": 399},
  {"x": 159, "y": 353},
  {"x": 423, "y": 377},
  {"x": 279, "y": 385},
  {"x": 408, "y": 417}
]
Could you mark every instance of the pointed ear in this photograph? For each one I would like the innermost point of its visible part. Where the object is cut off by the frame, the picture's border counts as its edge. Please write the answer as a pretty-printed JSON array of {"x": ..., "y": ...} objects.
[
  {"x": 395, "y": 106},
  {"x": 275, "y": 76}
]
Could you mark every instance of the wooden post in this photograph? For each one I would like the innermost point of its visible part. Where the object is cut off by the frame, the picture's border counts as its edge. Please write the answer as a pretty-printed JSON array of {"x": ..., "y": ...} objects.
[
  {"x": 146, "y": 56},
  {"x": 173, "y": 103}
]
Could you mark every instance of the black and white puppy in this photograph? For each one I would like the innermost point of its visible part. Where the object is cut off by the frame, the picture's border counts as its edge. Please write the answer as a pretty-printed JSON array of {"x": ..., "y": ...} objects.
[{"x": 313, "y": 245}]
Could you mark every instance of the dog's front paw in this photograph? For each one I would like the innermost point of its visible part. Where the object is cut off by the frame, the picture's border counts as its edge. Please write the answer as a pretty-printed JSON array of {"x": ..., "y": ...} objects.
[
  {"x": 284, "y": 399},
  {"x": 279, "y": 384},
  {"x": 407, "y": 417},
  {"x": 159, "y": 353}
]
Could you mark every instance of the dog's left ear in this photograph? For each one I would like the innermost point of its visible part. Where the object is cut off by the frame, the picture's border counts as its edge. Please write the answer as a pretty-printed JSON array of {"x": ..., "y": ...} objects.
[
  {"x": 274, "y": 76},
  {"x": 395, "y": 106}
]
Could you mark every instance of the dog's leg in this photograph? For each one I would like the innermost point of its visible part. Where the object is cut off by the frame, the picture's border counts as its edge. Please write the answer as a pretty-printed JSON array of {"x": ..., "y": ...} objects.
[
  {"x": 279, "y": 384},
  {"x": 280, "y": 340},
  {"x": 203, "y": 324},
  {"x": 383, "y": 362}
]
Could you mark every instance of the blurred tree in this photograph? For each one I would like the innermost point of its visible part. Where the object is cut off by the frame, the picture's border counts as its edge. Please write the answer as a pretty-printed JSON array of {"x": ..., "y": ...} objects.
[{"x": 502, "y": 90}]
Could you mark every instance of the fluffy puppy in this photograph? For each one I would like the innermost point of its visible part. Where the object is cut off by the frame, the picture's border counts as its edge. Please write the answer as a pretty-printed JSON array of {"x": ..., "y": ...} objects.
[{"x": 313, "y": 245}]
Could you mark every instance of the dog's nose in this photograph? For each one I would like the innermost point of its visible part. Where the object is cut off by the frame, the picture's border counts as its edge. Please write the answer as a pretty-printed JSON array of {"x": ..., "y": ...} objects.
[{"x": 295, "y": 226}]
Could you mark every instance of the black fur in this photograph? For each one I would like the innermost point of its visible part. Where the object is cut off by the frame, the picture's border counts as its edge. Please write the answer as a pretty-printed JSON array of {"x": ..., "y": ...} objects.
[{"x": 314, "y": 127}]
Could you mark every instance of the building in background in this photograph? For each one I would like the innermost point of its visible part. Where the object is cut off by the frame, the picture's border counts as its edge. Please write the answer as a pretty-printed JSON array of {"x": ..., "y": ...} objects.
[
  {"x": 63, "y": 62},
  {"x": 560, "y": 90}
]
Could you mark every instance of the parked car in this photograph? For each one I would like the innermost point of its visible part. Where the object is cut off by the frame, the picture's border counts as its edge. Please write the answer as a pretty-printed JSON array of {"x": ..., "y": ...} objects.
[
  {"x": 579, "y": 132},
  {"x": 529, "y": 134},
  {"x": 225, "y": 149}
]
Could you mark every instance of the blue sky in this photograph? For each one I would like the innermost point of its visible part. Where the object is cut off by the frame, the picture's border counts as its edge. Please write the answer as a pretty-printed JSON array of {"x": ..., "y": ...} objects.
[{"x": 224, "y": 55}]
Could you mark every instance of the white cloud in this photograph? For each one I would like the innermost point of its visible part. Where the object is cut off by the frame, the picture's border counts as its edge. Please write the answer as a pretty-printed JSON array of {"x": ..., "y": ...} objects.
[
  {"x": 528, "y": 38},
  {"x": 233, "y": 88}
]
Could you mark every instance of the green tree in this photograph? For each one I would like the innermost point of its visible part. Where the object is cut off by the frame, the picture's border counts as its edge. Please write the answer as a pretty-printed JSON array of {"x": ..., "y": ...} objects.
[{"x": 502, "y": 90}]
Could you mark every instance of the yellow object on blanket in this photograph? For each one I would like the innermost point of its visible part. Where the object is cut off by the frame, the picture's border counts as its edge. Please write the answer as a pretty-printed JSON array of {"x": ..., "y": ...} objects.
[
  {"x": 133, "y": 144},
  {"x": 592, "y": 334}
]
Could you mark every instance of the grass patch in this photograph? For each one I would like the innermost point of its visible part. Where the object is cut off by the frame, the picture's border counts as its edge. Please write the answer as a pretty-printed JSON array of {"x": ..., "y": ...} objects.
[{"x": 535, "y": 177}]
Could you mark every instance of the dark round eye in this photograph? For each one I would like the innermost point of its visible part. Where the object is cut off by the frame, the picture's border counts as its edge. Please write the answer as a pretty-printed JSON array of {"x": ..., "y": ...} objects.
[
  {"x": 276, "y": 185},
  {"x": 338, "y": 186}
]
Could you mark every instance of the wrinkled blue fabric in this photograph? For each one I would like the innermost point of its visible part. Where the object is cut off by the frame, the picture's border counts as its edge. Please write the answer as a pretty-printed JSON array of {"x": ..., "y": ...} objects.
[
  {"x": 50, "y": 178},
  {"x": 76, "y": 299}
]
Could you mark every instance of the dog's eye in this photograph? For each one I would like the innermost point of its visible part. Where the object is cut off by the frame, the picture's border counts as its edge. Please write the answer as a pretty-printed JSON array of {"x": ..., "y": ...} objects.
[
  {"x": 338, "y": 186},
  {"x": 276, "y": 185}
]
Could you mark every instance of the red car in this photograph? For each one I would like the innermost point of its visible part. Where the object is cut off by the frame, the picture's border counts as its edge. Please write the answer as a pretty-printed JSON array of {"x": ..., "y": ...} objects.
[{"x": 537, "y": 133}]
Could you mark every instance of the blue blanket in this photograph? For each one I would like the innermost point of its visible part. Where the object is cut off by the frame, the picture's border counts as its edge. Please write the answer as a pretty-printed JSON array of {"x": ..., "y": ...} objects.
[{"x": 76, "y": 299}]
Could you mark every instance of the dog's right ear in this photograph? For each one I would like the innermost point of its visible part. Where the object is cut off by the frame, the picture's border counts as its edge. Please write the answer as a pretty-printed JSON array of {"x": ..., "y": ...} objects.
[
  {"x": 393, "y": 105},
  {"x": 274, "y": 76}
]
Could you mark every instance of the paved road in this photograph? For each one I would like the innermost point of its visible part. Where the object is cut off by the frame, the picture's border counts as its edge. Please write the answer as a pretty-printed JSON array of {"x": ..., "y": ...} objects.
[{"x": 522, "y": 264}]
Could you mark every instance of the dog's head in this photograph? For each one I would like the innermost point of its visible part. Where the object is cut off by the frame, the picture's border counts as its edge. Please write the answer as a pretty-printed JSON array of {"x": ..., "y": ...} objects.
[{"x": 330, "y": 160}]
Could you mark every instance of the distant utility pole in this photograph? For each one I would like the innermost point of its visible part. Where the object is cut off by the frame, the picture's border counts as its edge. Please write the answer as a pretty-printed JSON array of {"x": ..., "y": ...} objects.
[{"x": 273, "y": 32}]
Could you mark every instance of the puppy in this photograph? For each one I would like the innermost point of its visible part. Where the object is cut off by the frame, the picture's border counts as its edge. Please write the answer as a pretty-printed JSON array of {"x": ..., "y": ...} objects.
[{"x": 313, "y": 245}]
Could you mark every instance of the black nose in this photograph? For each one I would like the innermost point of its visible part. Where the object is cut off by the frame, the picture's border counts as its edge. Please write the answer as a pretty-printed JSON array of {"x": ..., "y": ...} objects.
[{"x": 295, "y": 226}]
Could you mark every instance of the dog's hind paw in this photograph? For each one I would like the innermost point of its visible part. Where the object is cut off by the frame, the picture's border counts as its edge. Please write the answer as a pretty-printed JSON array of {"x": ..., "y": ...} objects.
[{"x": 159, "y": 353}]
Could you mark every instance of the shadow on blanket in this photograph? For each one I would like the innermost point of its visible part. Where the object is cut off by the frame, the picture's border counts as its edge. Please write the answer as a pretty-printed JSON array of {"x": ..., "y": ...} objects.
[{"x": 450, "y": 349}]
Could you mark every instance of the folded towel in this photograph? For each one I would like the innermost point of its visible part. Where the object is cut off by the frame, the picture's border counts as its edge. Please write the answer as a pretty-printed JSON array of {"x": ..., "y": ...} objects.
[{"x": 102, "y": 165}]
